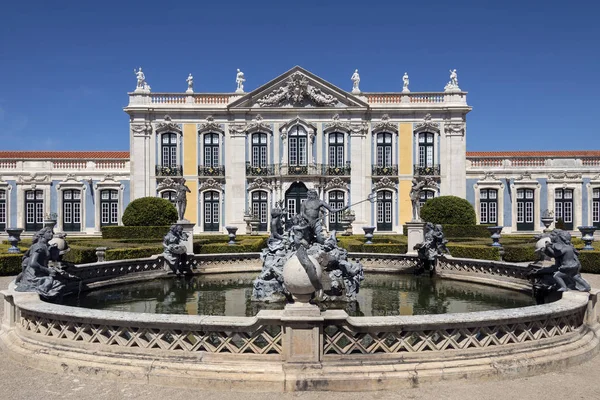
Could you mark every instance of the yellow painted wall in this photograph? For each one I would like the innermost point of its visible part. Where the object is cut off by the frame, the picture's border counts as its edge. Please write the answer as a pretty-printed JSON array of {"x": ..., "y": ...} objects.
[
  {"x": 190, "y": 168},
  {"x": 405, "y": 143}
]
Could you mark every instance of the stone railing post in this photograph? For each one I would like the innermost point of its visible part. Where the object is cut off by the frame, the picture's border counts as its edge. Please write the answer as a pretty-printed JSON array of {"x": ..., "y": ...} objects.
[
  {"x": 592, "y": 314},
  {"x": 302, "y": 340},
  {"x": 9, "y": 317}
]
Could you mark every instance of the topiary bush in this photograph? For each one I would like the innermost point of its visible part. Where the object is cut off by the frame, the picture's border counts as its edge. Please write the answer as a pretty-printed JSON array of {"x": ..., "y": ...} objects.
[
  {"x": 448, "y": 210},
  {"x": 150, "y": 211}
]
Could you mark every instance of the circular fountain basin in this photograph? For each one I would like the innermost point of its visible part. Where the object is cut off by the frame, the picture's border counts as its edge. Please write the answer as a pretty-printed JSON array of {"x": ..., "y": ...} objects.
[{"x": 394, "y": 339}]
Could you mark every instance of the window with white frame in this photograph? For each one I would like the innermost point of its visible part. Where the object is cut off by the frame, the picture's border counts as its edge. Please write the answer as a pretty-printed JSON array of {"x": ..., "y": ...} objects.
[
  {"x": 298, "y": 146},
  {"x": 384, "y": 149},
  {"x": 259, "y": 150},
  {"x": 211, "y": 150},
  {"x": 109, "y": 207},
  {"x": 34, "y": 210},
  {"x": 71, "y": 210},
  {"x": 211, "y": 211},
  {"x": 169, "y": 149},
  {"x": 596, "y": 207},
  {"x": 426, "y": 195},
  {"x": 169, "y": 195},
  {"x": 384, "y": 210},
  {"x": 336, "y": 149},
  {"x": 488, "y": 206},
  {"x": 563, "y": 207},
  {"x": 3, "y": 216},
  {"x": 426, "y": 145},
  {"x": 260, "y": 208}
]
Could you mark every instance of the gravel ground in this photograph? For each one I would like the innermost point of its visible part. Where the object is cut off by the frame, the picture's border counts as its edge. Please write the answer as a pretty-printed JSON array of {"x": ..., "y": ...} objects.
[{"x": 20, "y": 382}]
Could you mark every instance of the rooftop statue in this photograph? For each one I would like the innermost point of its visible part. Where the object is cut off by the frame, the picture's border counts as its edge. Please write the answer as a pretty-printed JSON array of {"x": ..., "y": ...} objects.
[
  {"x": 239, "y": 80},
  {"x": 452, "y": 85},
  {"x": 142, "y": 85},
  {"x": 405, "y": 83},
  {"x": 355, "y": 81},
  {"x": 190, "y": 83}
]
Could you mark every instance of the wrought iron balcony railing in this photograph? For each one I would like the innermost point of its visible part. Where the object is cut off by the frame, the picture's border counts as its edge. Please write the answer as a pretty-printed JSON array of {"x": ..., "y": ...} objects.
[
  {"x": 215, "y": 170},
  {"x": 172, "y": 170},
  {"x": 331, "y": 170},
  {"x": 430, "y": 170},
  {"x": 265, "y": 170},
  {"x": 387, "y": 170}
]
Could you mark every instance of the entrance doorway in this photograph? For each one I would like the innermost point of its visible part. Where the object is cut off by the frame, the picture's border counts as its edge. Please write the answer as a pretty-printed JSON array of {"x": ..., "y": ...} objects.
[{"x": 294, "y": 197}]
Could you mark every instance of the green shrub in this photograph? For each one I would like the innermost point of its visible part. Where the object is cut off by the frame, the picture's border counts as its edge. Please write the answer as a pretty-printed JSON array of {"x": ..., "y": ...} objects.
[
  {"x": 81, "y": 254},
  {"x": 10, "y": 264},
  {"x": 149, "y": 211},
  {"x": 249, "y": 244},
  {"x": 134, "y": 232},
  {"x": 590, "y": 261},
  {"x": 476, "y": 252},
  {"x": 448, "y": 210},
  {"x": 560, "y": 224},
  {"x": 133, "y": 252},
  {"x": 519, "y": 253}
]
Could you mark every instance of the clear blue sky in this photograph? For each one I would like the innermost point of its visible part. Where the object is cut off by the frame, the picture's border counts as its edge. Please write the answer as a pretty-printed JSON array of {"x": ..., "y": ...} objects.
[{"x": 531, "y": 67}]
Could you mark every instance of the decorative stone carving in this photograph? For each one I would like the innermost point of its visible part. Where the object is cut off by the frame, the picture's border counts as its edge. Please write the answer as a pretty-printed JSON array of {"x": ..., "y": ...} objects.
[
  {"x": 336, "y": 183},
  {"x": 384, "y": 183},
  {"x": 452, "y": 85},
  {"x": 385, "y": 125},
  {"x": 297, "y": 92},
  {"x": 175, "y": 251},
  {"x": 337, "y": 125},
  {"x": 167, "y": 126},
  {"x": 239, "y": 80},
  {"x": 211, "y": 183},
  {"x": 167, "y": 184},
  {"x": 355, "y": 81},
  {"x": 427, "y": 124},
  {"x": 144, "y": 129},
  {"x": 405, "y": 83},
  {"x": 190, "y": 83},
  {"x": 33, "y": 178},
  {"x": 258, "y": 125},
  {"x": 564, "y": 175},
  {"x": 454, "y": 128},
  {"x": 142, "y": 86},
  {"x": 432, "y": 247},
  {"x": 259, "y": 183},
  {"x": 489, "y": 176},
  {"x": 525, "y": 176},
  {"x": 210, "y": 126}
]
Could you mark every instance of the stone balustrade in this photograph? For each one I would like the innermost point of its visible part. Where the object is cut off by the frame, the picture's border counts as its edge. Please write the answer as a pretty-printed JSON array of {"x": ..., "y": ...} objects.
[
  {"x": 529, "y": 162},
  {"x": 62, "y": 166},
  {"x": 416, "y": 98}
]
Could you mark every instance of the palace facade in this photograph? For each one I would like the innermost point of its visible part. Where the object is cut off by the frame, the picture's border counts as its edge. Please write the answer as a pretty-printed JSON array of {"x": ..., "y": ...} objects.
[{"x": 240, "y": 153}]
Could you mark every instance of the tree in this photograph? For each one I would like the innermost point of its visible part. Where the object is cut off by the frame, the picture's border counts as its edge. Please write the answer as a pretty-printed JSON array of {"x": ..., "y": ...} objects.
[
  {"x": 448, "y": 210},
  {"x": 150, "y": 211}
]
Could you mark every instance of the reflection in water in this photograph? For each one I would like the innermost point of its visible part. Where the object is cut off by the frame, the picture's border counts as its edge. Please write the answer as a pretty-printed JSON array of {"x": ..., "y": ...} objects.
[{"x": 229, "y": 294}]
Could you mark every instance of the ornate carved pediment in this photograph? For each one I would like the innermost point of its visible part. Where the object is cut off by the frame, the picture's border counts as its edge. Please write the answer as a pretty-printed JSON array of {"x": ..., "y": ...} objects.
[
  {"x": 167, "y": 126},
  {"x": 33, "y": 178},
  {"x": 297, "y": 92},
  {"x": 259, "y": 183},
  {"x": 386, "y": 183},
  {"x": 143, "y": 129},
  {"x": 385, "y": 125},
  {"x": 489, "y": 176},
  {"x": 525, "y": 176},
  {"x": 337, "y": 125},
  {"x": 336, "y": 183},
  {"x": 564, "y": 175},
  {"x": 167, "y": 184},
  {"x": 258, "y": 125},
  {"x": 309, "y": 126},
  {"x": 427, "y": 125},
  {"x": 210, "y": 183},
  {"x": 210, "y": 126}
]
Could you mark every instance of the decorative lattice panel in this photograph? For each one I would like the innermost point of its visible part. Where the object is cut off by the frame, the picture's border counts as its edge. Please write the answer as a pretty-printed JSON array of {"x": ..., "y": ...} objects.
[
  {"x": 342, "y": 339},
  {"x": 264, "y": 339},
  {"x": 478, "y": 267}
]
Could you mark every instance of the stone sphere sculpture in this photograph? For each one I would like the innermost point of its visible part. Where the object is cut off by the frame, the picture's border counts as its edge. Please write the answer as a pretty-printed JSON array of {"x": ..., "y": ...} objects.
[{"x": 296, "y": 278}]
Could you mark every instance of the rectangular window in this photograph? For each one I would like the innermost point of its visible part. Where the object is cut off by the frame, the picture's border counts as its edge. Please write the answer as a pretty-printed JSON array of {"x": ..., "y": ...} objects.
[
  {"x": 493, "y": 215},
  {"x": 68, "y": 212},
  {"x": 173, "y": 156},
  {"x": 114, "y": 213},
  {"x": 529, "y": 211},
  {"x": 568, "y": 212},
  {"x": 291, "y": 207},
  {"x": 379, "y": 212},
  {"x": 483, "y": 210},
  {"x": 77, "y": 213},
  {"x": 293, "y": 151},
  {"x": 388, "y": 211},
  {"x": 302, "y": 150},
  {"x": 105, "y": 213},
  {"x": 207, "y": 213},
  {"x": 520, "y": 215}
]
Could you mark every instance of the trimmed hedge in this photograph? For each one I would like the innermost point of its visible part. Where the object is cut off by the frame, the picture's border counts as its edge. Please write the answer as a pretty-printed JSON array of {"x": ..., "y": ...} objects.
[
  {"x": 132, "y": 252},
  {"x": 479, "y": 252},
  {"x": 381, "y": 244},
  {"x": 10, "y": 264},
  {"x": 462, "y": 231},
  {"x": 149, "y": 211},
  {"x": 135, "y": 232},
  {"x": 251, "y": 244},
  {"x": 590, "y": 261},
  {"x": 448, "y": 210}
]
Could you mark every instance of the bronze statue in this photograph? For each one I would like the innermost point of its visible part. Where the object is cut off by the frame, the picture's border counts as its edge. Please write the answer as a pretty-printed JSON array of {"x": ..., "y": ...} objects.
[{"x": 175, "y": 252}]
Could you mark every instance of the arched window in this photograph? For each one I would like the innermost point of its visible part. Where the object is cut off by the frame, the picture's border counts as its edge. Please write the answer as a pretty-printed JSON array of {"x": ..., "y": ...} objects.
[
  {"x": 260, "y": 208},
  {"x": 426, "y": 195},
  {"x": 336, "y": 149},
  {"x": 384, "y": 149},
  {"x": 563, "y": 207},
  {"x": 71, "y": 210},
  {"x": 384, "y": 210},
  {"x": 211, "y": 150},
  {"x": 34, "y": 210},
  {"x": 169, "y": 195},
  {"x": 298, "y": 146},
  {"x": 488, "y": 206},
  {"x": 169, "y": 149},
  {"x": 259, "y": 150},
  {"x": 2, "y": 210},
  {"x": 426, "y": 142},
  {"x": 211, "y": 211},
  {"x": 109, "y": 207},
  {"x": 596, "y": 207},
  {"x": 336, "y": 200}
]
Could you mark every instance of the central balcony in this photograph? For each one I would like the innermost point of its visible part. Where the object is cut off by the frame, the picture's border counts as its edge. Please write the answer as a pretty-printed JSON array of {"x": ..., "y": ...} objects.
[
  {"x": 265, "y": 170},
  {"x": 384, "y": 170},
  {"x": 337, "y": 170},
  {"x": 170, "y": 170},
  {"x": 426, "y": 170},
  {"x": 214, "y": 170},
  {"x": 298, "y": 170}
]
